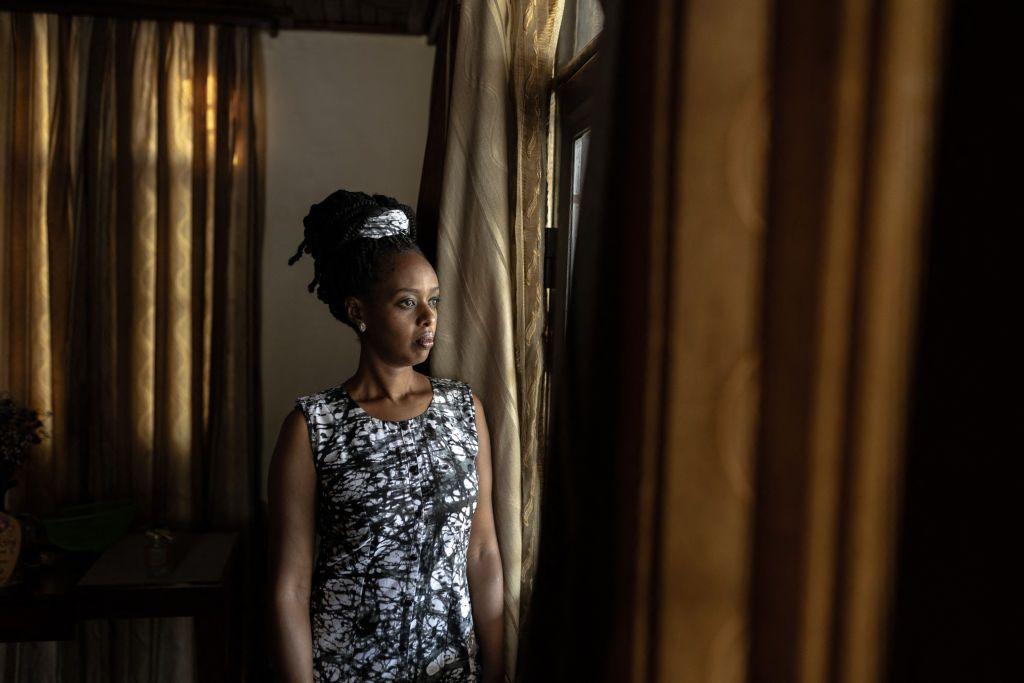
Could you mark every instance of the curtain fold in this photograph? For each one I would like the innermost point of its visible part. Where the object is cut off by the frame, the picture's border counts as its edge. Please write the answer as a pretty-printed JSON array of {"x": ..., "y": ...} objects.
[
  {"x": 535, "y": 29},
  {"x": 130, "y": 296},
  {"x": 842, "y": 279},
  {"x": 741, "y": 324},
  {"x": 491, "y": 212}
]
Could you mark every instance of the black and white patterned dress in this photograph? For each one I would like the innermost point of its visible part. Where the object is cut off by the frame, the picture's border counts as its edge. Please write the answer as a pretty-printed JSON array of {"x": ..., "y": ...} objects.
[{"x": 395, "y": 500}]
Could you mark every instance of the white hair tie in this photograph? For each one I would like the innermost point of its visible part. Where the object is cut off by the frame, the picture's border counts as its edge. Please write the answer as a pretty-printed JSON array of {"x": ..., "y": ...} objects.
[{"x": 391, "y": 222}]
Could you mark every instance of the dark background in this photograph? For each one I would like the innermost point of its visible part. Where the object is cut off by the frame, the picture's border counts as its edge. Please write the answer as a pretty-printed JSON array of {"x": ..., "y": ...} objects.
[{"x": 958, "y": 609}]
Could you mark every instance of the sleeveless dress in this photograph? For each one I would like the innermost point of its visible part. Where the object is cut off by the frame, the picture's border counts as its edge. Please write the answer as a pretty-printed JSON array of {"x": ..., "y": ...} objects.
[{"x": 395, "y": 499}]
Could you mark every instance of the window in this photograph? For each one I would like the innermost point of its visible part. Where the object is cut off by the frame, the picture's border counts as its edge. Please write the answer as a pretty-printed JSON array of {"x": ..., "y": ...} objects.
[
  {"x": 582, "y": 21},
  {"x": 569, "y": 140}
]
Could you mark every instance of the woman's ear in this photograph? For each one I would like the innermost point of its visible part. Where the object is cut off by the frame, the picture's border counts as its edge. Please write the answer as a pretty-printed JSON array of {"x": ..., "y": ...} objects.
[{"x": 354, "y": 309}]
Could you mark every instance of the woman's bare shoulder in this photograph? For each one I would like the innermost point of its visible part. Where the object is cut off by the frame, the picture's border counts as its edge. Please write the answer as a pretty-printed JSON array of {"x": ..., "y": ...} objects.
[{"x": 293, "y": 441}]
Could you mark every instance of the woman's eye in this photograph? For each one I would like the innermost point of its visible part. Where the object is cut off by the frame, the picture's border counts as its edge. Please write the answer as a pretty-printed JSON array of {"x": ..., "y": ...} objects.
[{"x": 411, "y": 303}]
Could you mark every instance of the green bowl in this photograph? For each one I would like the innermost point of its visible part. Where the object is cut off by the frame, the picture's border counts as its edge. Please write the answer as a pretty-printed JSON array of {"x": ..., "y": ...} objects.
[{"x": 92, "y": 527}]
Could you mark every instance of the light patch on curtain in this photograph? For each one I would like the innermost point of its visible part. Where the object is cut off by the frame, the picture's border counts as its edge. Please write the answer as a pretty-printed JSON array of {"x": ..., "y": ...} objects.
[
  {"x": 144, "y": 184},
  {"x": 179, "y": 279},
  {"x": 211, "y": 153},
  {"x": 40, "y": 377}
]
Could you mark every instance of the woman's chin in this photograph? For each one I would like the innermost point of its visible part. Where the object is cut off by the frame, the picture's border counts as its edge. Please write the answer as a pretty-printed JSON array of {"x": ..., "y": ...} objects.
[{"x": 418, "y": 355}]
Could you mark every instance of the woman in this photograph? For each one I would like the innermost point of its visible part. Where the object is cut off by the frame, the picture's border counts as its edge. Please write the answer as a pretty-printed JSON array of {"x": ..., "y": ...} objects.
[{"x": 390, "y": 471}]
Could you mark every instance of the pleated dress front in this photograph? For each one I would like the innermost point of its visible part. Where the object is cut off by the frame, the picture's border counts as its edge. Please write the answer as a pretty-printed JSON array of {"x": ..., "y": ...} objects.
[{"x": 394, "y": 504}]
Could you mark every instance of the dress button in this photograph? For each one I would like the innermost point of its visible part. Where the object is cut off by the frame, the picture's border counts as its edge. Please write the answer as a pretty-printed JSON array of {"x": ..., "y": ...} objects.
[
  {"x": 407, "y": 601},
  {"x": 365, "y": 624},
  {"x": 413, "y": 469}
]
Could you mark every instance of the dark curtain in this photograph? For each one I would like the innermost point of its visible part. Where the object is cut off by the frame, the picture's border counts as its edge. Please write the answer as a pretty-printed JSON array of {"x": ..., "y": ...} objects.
[{"x": 722, "y": 486}]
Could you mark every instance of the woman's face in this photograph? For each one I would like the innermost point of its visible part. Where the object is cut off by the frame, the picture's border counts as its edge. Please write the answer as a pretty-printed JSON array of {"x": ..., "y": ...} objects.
[{"x": 402, "y": 313}]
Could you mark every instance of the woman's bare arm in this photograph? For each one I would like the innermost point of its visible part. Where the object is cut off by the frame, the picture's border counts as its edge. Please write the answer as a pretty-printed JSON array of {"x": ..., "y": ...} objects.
[
  {"x": 483, "y": 564},
  {"x": 291, "y": 494}
]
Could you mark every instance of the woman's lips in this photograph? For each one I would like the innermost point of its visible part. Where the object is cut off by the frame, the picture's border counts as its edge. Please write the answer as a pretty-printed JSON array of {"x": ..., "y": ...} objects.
[{"x": 426, "y": 341}]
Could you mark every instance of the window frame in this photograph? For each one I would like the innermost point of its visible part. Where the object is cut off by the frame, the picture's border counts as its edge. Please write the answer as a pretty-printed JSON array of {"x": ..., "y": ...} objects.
[{"x": 574, "y": 89}]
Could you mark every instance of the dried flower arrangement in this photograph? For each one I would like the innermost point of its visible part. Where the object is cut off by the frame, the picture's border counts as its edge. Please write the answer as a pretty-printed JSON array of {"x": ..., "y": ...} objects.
[{"x": 20, "y": 428}]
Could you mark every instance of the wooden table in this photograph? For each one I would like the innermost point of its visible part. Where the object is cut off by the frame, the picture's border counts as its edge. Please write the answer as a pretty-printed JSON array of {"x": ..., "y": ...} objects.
[{"x": 204, "y": 584}]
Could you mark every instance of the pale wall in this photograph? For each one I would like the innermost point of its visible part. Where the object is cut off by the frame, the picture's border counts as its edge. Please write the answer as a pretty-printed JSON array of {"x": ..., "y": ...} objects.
[{"x": 344, "y": 110}]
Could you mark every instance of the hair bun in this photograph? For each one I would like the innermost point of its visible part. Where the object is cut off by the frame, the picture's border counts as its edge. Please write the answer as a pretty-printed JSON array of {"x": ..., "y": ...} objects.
[
  {"x": 350, "y": 249},
  {"x": 333, "y": 221}
]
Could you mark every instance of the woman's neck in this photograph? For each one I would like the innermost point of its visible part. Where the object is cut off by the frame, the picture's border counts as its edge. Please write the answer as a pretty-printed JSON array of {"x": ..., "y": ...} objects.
[{"x": 374, "y": 381}]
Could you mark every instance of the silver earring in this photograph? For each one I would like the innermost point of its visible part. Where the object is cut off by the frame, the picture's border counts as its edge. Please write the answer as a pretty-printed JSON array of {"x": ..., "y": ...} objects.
[{"x": 362, "y": 326}]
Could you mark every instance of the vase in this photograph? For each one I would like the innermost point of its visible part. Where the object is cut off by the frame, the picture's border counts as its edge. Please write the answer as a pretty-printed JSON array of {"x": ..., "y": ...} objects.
[
  {"x": 5, "y": 486},
  {"x": 10, "y": 548}
]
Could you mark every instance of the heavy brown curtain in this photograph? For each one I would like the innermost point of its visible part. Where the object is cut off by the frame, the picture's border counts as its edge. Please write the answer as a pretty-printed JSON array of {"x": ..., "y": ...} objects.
[
  {"x": 720, "y": 497},
  {"x": 130, "y": 224},
  {"x": 489, "y": 141}
]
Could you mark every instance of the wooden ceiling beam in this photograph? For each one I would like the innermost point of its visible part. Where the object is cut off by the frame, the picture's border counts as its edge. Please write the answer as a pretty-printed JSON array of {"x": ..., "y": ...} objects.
[
  {"x": 415, "y": 17},
  {"x": 214, "y": 13}
]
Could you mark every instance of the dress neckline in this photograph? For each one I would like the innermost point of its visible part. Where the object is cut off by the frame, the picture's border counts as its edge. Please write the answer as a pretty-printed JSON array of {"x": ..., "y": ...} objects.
[{"x": 433, "y": 398}]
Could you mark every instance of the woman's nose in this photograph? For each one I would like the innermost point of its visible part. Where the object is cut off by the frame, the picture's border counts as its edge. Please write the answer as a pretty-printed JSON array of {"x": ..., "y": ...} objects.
[{"x": 427, "y": 315}]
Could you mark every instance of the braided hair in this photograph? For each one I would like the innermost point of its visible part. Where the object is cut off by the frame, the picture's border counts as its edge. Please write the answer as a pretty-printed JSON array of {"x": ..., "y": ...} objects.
[{"x": 344, "y": 262}]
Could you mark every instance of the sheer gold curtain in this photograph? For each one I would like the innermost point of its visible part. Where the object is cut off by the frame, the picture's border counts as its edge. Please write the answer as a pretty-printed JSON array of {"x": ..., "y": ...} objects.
[
  {"x": 741, "y": 327},
  {"x": 130, "y": 222},
  {"x": 489, "y": 254}
]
